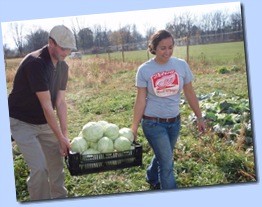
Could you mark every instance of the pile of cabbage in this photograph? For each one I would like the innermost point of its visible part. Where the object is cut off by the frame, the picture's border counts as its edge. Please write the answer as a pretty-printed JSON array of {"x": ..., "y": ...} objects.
[{"x": 102, "y": 137}]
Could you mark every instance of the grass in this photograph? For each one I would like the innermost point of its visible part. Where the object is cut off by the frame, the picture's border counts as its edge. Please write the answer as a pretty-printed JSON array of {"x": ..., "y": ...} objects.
[
  {"x": 102, "y": 89},
  {"x": 210, "y": 55}
]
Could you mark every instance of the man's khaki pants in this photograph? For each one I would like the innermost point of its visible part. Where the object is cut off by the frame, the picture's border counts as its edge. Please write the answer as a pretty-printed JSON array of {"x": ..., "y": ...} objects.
[{"x": 40, "y": 149}]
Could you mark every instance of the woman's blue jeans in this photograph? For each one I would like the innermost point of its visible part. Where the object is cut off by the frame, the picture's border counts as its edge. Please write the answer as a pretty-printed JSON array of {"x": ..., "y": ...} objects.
[{"x": 162, "y": 137}]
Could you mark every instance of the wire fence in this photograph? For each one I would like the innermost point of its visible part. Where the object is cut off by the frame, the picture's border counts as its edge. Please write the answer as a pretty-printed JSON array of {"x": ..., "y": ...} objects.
[{"x": 192, "y": 40}]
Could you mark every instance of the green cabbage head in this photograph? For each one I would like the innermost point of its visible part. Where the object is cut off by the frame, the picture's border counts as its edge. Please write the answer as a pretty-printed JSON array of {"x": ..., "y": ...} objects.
[
  {"x": 78, "y": 144},
  {"x": 92, "y": 131},
  {"x": 89, "y": 152},
  {"x": 127, "y": 132},
  {"x": 105, "y": 145},
  {"x": 122, "y": 144},
  {"x": 111, "y": 131}
]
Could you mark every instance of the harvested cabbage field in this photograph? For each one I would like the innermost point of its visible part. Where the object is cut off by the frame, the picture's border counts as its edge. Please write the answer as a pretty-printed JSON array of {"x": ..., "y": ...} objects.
[{"x": 103, "y": 90}]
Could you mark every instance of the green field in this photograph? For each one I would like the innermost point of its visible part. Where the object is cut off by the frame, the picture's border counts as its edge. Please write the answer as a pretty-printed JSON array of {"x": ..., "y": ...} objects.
[
  {"x": 102, "y": 89},
  {"x": 210, "y": 54}
]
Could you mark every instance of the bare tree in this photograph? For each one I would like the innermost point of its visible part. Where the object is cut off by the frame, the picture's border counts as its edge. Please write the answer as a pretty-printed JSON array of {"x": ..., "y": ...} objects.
[
  {"x": 136, "y": 37},
  {"x": 121, "y": 38},
  {"x": 237, "y": 25},
  {"x": 182, "y": 28},
  {"x": 36, "y": 40},
  {"x": 189, "y": 29},
  {"x": 5, "y": 53},
  {"x": 85, "y": 39},
  {"x": 218, "y": 23},
  {"x": 205, "y": 23},
  {"x": 77, "y": 24},
  {"x": 149, "y": 32},
  {"x": 17, "y": 34},
  {"x": 101, "y": 40},
  {"x": 115, "y": 39},
  {"x": 236, "y": 21},
  {"x": 125, "y": 36}
]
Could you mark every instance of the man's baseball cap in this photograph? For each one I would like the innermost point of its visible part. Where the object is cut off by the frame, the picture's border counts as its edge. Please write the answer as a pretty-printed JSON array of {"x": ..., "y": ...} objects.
[{"x": 63, "y": 37}]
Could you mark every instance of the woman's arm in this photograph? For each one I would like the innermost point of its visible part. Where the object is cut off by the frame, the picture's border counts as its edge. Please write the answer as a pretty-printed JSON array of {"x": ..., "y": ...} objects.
[
  {"x": 194, "y": 104},
  {"x": 139, "y": 108}
]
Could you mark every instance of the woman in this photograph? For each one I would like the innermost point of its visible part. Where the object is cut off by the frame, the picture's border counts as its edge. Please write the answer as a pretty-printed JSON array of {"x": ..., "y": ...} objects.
[{"x": 159, "y": 82}]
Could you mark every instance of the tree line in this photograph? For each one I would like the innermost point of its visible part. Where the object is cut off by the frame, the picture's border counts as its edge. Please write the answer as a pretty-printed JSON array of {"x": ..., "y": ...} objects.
[{"x": 186, "y": 28}]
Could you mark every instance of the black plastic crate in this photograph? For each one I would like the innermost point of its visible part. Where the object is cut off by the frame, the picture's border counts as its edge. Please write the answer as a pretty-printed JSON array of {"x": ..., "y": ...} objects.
[{"x": 78, "y": 164}]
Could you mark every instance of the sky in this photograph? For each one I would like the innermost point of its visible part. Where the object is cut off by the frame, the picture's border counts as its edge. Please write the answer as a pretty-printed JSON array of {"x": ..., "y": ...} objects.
[{"x": 143, "y": 19}]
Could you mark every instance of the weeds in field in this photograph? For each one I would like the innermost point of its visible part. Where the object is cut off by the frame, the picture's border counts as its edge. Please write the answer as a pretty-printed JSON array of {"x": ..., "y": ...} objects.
[{"x": 96, "y": 71}]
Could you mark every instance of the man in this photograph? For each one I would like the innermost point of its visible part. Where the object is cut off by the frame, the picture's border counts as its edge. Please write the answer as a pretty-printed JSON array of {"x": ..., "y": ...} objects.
[{"x": 38, "y": 94}]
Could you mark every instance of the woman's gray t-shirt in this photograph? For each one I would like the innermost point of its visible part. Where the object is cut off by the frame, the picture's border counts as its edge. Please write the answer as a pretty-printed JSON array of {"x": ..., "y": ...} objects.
[{"x": 164, "y": 84}]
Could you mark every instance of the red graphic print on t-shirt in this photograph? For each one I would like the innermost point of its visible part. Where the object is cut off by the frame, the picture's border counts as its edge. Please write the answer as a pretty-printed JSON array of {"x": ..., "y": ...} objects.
[{"x": 165, "y": 83}]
